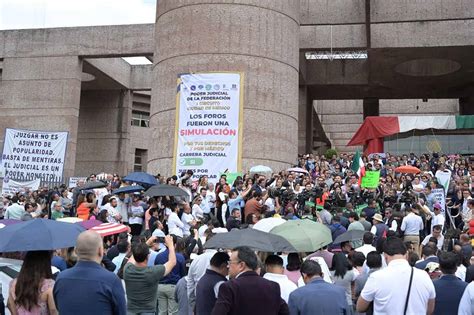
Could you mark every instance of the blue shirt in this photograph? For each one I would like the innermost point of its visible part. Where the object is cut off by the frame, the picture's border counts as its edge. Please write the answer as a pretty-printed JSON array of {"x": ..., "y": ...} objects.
[
  {"x": 318, "y": 298},
  {"x": 59, "y": 263},
  {"x": 177, "y": 272},
  {"x": 234, "y": 203},
  {"x": 87, "y": 288}
]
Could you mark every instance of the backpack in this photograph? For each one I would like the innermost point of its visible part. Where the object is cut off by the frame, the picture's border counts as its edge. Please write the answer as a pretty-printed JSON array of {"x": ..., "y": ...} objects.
[{"x": 380, "y": 234}]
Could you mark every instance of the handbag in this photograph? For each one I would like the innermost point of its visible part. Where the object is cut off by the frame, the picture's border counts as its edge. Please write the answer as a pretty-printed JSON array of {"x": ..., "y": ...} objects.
[{"x": 408, "y": 294}]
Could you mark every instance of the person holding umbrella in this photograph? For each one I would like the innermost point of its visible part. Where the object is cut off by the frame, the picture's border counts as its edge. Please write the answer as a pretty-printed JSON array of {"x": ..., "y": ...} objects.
[{"x": 32, "y": 291}]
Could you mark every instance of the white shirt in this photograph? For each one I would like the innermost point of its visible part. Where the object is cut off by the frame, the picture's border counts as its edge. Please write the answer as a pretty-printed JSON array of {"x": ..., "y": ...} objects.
[
  {"x": 138, "y": 212},
  {"x": 412, "y": 224},
  {"x": 211, "y": 198},
  {"x": 186, "y": 218},
  {"x": 392, "y": 227},
  {"x": 418, "y": 187},
  {"x": 466, "y": 305},
  {"x": 324, "y": 269},
  {"x": 286, "y": 286},
  {"x": 270, "y": 203},
  {"x": 196, "y": 271},
  {"x": 175, "y": 225},
  {"x": 365, "y": 249},
  {"x": 461, "y": 272},
  {"x": 440, "y": 241},
  {"x": 118, "y": 261},
  {"x": 388, "y": 289},
  {"x": 122, "y": 208},
  {"x": 111, "y": 213},
  {"x": 197, "y": 211},
  {"x": 100, "y": 193},
  {"x": 437, "y": 220}
]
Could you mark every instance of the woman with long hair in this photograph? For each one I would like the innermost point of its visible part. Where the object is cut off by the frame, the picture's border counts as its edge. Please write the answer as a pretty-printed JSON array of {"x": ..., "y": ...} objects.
[
  {"x": 32, "y": 292},
  {"x": 343, "y": 275},
  {"x": 202, "y": 183}
]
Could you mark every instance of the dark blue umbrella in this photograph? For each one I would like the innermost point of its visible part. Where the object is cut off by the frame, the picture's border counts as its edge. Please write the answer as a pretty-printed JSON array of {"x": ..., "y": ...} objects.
[
  {"x": 141, "y": 178},
  {"x": 38, "y": 234},
  {"x": 128, "y": 189}
]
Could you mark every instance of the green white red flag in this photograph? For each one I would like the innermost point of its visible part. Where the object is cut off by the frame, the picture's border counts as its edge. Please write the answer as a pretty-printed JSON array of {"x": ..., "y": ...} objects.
[{"x": 358, "y": 166}]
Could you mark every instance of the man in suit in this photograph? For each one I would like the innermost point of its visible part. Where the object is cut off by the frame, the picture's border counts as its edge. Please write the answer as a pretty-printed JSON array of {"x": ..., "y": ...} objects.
[
  {"x": 449, "y": 288},
  {"x": 429, "y": 255},
  {"x": 247, "y": 292},
  {"x": 317, "y": 296}
]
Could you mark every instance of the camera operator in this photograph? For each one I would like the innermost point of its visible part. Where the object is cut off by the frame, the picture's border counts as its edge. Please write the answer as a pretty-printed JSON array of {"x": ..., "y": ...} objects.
[
  {"x": 307, "y": 194},
  {"x": 337, "y": 197}
]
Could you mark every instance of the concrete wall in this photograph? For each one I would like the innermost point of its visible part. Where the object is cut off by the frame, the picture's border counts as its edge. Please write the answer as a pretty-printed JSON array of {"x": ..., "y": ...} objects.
[
  {"x": 418, "y": 107},
  {"x": 259, "y": 38},
  {"x": 340, "y": 120},
  {"x": 42, "y": 93},
  {"x": 104, "y": 133},
  {"x": 110, "y": 40}
]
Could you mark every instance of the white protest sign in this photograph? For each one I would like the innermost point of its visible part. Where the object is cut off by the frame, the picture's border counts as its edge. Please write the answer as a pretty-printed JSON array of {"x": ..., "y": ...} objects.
[
  {"x": 10, "y": 187},
  {"x": 209, "y": 124},
  {"x": 439, "y": 197},
  {"x": 444, "y": 178},
  {"x": 73, "y": 181},
  {"x": 29, "y": 155}
]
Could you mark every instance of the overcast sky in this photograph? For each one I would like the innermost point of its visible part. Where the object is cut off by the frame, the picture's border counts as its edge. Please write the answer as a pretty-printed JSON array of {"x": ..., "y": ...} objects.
[{"x": 19, "y": 14}]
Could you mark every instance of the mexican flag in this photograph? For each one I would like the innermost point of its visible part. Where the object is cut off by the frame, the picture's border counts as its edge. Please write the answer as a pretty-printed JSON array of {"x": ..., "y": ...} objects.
[
  {"x": 358, "y": 166},
  {"x": 383, "y": 126}
]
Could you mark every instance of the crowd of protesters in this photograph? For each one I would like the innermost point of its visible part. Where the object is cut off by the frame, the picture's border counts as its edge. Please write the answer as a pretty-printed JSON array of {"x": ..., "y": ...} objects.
[{"x": 414, "y": 258}]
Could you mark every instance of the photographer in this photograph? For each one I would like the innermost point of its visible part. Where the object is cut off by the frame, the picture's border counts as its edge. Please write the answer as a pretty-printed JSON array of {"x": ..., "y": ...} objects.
[{"x": 337, "y": 197}]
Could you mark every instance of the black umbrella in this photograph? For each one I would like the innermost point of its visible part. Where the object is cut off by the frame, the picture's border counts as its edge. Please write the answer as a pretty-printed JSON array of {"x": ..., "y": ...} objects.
[
  {"x": 352, "y": 235},
  {"x": 165, "y": 190},
  {"x": 93, "y": 185},
  {"x": 255, "y": 239}
]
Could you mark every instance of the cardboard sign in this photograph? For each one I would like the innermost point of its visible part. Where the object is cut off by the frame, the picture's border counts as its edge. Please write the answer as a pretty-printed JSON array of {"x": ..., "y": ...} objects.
[{"x": 371, "y": 179}]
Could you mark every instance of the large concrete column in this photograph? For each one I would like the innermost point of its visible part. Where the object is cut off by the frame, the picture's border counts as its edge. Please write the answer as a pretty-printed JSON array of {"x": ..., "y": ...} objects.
[
  {"x": 304, "y": 114},
  {"x": 104, "y": 137},
  {"x": 258, "y": 37},
  {"x": 42, "y": 93}
]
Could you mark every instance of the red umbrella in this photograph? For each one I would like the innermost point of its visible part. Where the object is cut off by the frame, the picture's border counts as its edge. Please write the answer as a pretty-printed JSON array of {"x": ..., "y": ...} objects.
[
  {"x": 407, "y": 169},
  {"x": 106, "y": 229}
]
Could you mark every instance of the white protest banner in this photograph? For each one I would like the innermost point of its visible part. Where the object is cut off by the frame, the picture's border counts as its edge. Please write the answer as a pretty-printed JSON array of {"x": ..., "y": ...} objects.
[
  {"x": 439, "y": 197},
  {"x": 209, "y": 124},
  {"x": 73, "y": 181},
  {"x": 29, "y": 155},
  {"x": 10, "y": 187}
]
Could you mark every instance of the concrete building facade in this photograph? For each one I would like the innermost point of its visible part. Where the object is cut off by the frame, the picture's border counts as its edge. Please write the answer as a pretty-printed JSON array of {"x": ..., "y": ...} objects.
[{"x": 313, "y": 70}]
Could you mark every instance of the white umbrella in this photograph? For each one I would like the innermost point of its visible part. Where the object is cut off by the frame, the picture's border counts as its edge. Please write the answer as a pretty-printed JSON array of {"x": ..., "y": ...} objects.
[
  {"x": 259, "y": 169},
  {"x": 69, "y": 219},
  {"x": 265, "y": 225},
  {"x": 297, "y": 170}
]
